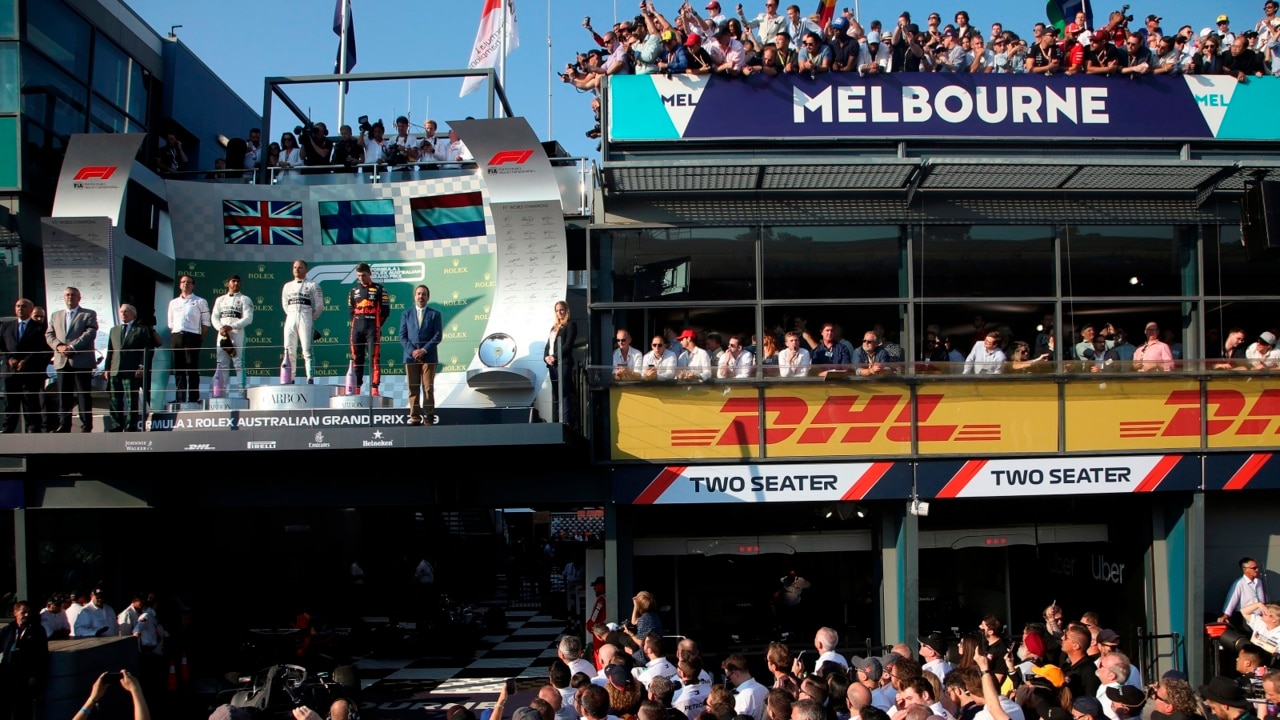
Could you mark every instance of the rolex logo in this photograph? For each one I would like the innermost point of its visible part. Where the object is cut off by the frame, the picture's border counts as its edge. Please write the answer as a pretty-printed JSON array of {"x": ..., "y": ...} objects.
[
  {"x": 257, "y": 332},
  {"x": 325, "y": 332},
  {"x": 259, "y": 299},
  {"x": 262, "y": 268},
  {"x": 455, "y": 263},
  {"x": 257, "y": 364},
  {"x": 486, "y": 277},
  {"x": 328, "y": 300},
  {"x": 392, "y": 298},
  {"x": 192, "y": 265},
  {"x": 325, "y": 364},
  {"x": 486, "y": 309},
  {"x": 455, "y": 327},
  {"x": 455, "y": 294},
  {"x": 453, "y": 359}
]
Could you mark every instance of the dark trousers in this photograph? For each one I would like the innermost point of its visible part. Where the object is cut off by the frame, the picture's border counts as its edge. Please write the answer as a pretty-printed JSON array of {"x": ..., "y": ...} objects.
[
  {"x": 74, "y": 388},
  {"x": 126, "y": 407},
  {"x": 421, "y": 378},
  {"x": 22, "y": 401},
  {"x": 364, "y": 341},
  {"x": 186, "y": 360}
]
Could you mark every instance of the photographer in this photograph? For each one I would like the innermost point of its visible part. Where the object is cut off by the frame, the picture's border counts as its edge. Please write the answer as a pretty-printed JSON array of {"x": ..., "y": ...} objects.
[
  {"x": 316, "y": 146},
  {"x": 403, "y": 147},
  {"x": 347, "y": 152},
  {"x": 371, "y": 135},
  {"x": 105, "y": 681}
]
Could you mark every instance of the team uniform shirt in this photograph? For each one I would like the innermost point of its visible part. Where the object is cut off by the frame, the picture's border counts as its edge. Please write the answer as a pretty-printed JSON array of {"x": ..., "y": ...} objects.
[
  {"x": 661, "y": 667},
  {"x": 234, "y": 311},
  {"x": 93, "y": 619},
  {"x": 369, "y": 303},
  {"x": 749, "y": 698},
  {"x": 302, "y": 296},
  {"x": 188, "y": 314},
  {"x": 581, "y": 666},
  {"x": 692, "y": 699}
]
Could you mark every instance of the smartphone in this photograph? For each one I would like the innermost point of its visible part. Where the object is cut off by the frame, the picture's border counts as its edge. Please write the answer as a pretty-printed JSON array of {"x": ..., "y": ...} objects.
[
  {"x": 807, "y": 660},
  {"x": 511, "y": 686},
  {"x": 112, "y": 676}
]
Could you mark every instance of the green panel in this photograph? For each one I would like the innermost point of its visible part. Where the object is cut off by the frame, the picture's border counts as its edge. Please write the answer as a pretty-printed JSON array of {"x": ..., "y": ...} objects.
[
  {"x": 8, "y": 18},
  {"x": 9, "y": 160},
  {"x": 462, "y": 289}
]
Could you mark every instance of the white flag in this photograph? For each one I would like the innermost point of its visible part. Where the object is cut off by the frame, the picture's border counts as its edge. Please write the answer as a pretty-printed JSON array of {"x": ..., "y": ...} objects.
[{"x": 489, "y": 40}]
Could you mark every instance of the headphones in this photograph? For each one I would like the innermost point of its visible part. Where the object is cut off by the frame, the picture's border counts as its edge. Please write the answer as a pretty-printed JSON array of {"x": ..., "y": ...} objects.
[{"x": 353, "y": 710}]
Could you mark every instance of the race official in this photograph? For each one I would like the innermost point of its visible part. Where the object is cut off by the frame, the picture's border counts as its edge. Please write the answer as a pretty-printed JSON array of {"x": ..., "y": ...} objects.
[
  {"x": 421, "y": 328},
  {"x": 189, "y": 320}
]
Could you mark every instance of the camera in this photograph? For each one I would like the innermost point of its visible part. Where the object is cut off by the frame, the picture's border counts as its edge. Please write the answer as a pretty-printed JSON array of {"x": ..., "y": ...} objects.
[
  {"x": 1125, "y": 19},
  {"x": 365, "y": 127}
]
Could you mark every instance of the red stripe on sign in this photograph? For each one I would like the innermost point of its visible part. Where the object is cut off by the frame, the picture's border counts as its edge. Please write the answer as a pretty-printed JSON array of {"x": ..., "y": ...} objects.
[
  {"x": 961, "y": 478},
  {"x": 660, "y": 484},
  {"x": 1157, "y": 474},
  {"x": 863, "y": 485},
  {"x": 1247, "y": 471}
]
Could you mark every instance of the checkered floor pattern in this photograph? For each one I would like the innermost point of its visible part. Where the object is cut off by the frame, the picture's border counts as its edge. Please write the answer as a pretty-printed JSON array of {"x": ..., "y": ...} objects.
[{"x": 526, "y": 650}]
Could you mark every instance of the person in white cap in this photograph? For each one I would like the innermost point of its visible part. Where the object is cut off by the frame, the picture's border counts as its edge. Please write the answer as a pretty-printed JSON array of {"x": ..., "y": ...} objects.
[{"x": 1263, "y": 352}]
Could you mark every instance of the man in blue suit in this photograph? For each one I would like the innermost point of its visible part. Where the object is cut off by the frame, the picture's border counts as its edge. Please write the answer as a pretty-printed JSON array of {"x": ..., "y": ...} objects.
[
  {"x": 70, "y": 335},
  {"x": 420, "y": 330}
]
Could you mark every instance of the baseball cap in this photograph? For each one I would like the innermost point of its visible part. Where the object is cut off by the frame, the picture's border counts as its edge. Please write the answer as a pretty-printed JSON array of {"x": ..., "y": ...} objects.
[
  {"x": 1267, "y": 338},
  {"x": 713, "y": 5},
  {"x": 873, "y": 38},
  {"x": 693, "y": 40},
  {"x": 871, "y": 666},
  {"x": 1205, "y": 32},
  {"x": 1073, "y": 29},
  {"x": 1089, "y": 705},
  {"x": 667, "y": 35},
  {"x": 687, "y": 335},
  {"x": 1223, "y": 18},
  {"x": 1108, "y": 636},
  {"x": 1157, "y": 18},
  {"x": 1127, "y": 695},
  {"x": 840, "y": 23},
  {"x": 618, "y": 676},
  {"x": 934, "y": 640},
  {"x": 1052, "y": 673},
  {"x": 722, "y": 29}
]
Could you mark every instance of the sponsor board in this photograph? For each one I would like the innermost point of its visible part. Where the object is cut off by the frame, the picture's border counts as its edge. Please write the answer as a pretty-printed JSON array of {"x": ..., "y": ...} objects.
[
  {"x": 1037, "y": 477},
  {"x": 784, "y": 482},
  {"x": 826, "y": 420}
]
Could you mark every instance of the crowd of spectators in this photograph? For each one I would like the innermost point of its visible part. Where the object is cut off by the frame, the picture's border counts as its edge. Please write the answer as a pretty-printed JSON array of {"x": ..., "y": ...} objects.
[
  {"x": 773, "y": 43},
  {"x": 1047, "y": 670},
  {"x": 992, "y": 349}
]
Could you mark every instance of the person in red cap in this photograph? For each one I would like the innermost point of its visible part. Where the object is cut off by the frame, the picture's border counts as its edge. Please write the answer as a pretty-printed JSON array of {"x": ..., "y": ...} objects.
[
  {"x": 1072, "y": 50},
  {"x": 694, "y": 362},
  {"x": 714, "y": 15}
]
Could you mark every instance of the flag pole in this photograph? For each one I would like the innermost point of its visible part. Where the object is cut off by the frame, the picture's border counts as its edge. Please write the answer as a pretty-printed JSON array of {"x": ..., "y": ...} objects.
[
  {"x": 502, "y": 70},
  {"x": 342, "y": 65}
]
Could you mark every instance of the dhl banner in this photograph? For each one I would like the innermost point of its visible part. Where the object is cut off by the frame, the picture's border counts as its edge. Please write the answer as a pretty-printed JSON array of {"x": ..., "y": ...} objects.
[
  {"x": 1165, "y": 414},
  {"x": 1034, "y": 477},
  {"x": 697, "y": 422},
  {"x": 788, "y": 482}
]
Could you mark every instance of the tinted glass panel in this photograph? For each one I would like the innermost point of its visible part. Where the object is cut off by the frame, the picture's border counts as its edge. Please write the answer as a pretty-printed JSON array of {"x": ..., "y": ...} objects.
[
  {"x": 105, "y": 118},
  {"x": 8, "y": 18},
  {"x": 1127, "y": 260},
  {"x": 1228, "y": 271},
  {"x": 61, "y": 34},
  {"x": 676, "y": 265},
  {"x": 51, "y": 97},
  {"x": 110, "y": 72},
  {"x": 139, "y": 93},
  {"x": 833, "y": 262},
  {"x": 9, "y": 77},
  {"x": 983, "y": 261}
]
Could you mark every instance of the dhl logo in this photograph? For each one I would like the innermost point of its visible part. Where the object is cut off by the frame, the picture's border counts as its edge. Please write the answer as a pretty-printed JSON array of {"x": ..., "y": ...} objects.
[
  {"x": 849, "y": 418},
  {"x": 1227, "y": 415}
]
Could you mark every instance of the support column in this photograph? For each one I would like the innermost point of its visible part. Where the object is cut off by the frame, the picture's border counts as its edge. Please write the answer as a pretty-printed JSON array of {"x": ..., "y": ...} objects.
[
  {"x": 1175, "y": 599},
  {"x": 899, "y": 575},
  {"x": 619, "y": 549},
  {"x": 20, "y": 556}
]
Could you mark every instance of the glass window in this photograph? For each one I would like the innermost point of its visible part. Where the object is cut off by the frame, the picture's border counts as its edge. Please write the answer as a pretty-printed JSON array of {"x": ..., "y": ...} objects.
[
  {"x": 1227, "y": 269},
  {"x": 947, "y": 333},
  {"x": 9, "y": 160},
  {"x": 111, "y": 72},
  {"x": 139, "y": 92},
  {"x": 851, "y": 322},
  {"x": 833, "y": 262},
  {"x": 8, "y": 18},
  {"x": 1251, "y": 318},
  {"x": 9, "y": 69},
  {"x": 61, "y": 34},
  {"x": 1123, "y": 326},
  {"x": 103, "y": 117},
  {"x": 676, "y": 264},
  {"x": 983, "y": 261},
  {"x": 52, "y": 98},
  {"x": 1127, "y": 260}
]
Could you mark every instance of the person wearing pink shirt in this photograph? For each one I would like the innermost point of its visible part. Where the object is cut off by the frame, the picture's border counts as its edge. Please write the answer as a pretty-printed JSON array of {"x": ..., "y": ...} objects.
[{"x": 1154, "y": 355}]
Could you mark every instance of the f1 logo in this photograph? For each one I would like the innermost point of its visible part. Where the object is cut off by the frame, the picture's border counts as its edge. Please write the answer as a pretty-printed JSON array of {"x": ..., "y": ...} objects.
[
  {"x": 514, "y": 157},
  {"x": 96, "y": 172}
]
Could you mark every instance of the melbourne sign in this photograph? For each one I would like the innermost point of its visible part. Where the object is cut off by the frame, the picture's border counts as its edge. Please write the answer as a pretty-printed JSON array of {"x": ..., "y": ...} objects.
[{"x": 843, "y": 105}]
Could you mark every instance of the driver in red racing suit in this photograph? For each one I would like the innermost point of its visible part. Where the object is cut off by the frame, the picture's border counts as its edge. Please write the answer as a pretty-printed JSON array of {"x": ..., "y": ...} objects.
[{"x": 369, "y": 307}]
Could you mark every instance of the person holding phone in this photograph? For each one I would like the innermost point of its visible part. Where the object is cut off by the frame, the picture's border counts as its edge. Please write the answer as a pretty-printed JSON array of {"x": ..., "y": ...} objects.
[{"x": 104, "y": 683}]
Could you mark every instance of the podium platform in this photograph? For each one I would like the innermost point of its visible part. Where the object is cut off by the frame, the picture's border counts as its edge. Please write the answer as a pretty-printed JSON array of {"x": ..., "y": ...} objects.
[
  {"x": 290, "y": 397},
  {"x": 360, "y": 402}
]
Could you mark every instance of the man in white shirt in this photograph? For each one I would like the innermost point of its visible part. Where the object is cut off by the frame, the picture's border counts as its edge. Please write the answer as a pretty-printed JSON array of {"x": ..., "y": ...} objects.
[
  {"x": 374, "y": 143},
  {"x": 986, "y": 357},
  {"x": 749, "y": 695},
  {"x": 694, "y": 363},
  {"x": 1113, "y": 671},
  {"x": 1248, "y": 588},
  {"x": 627, "y": 361},
  {"x": 54, "y": 620},
  {"x": 934, "y": 649},
  {"x": 659, "y": 363},
  {"x": 95, "y": 619},
  {"x": 189, "y": 319},
  {"x": 127, "y": 620},
  {"x": 767, "y": 24},
  {"x": 570, "y": 651},
  {"x": 793, "y": 360},
  {"x": 657, "y": 665},
  {"x": 691, "y": 698},
  {"x": 737, "y": 361},
  {"x": 1264, "y": 353},
  {"x": 825, "y": 641}
]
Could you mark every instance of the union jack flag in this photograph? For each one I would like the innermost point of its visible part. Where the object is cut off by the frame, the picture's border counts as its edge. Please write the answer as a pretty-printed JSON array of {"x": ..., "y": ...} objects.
[{"x": 261, "y": 222}]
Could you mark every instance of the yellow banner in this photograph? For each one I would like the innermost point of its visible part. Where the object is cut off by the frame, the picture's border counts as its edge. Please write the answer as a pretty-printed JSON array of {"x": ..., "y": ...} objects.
[
  {"x": 1243, "y": 412},
  {"x": 1131, "y": 414},
  {"x": 832, "y": 420}
]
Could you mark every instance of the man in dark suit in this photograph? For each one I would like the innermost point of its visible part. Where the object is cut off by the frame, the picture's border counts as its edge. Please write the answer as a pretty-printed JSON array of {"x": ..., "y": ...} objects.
[
  {"x": 24, "y": 663},
  {"x": 420, "y": 331},
  {"x": 128, "y": 355},
  {"x": 25, "y": 357},
  {"x": 70, "y": 335}
]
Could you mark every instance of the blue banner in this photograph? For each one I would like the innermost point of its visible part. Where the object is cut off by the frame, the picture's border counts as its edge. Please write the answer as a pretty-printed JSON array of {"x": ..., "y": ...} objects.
[{"x": 921, "y": 105}]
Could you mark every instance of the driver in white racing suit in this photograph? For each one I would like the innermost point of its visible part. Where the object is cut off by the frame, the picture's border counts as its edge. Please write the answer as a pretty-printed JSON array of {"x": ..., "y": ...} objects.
[
  {"x": 232, "y": 313},
  {"x": 302, "y": 302}
]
